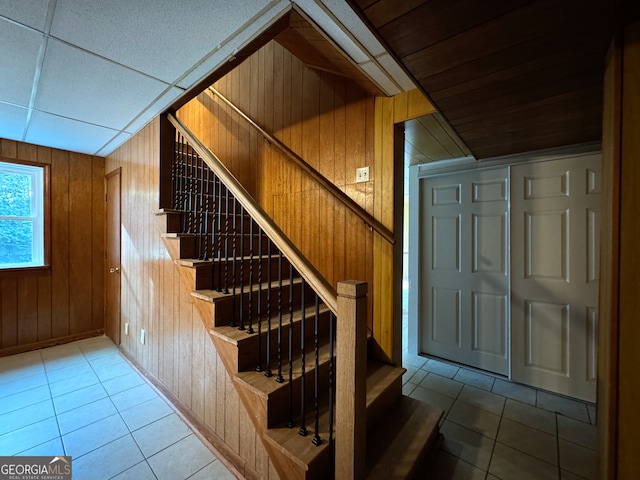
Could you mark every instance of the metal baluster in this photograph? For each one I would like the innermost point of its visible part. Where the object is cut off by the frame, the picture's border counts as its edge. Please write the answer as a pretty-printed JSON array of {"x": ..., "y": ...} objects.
[
  {"x": 268, "y": 372},
  {"x": 225, "y": 288},
  {"x": 291, "y": 423},
  {"x": 174, "y": 175},
  {"x": 219, "y": 247},
  {"x": 190, "y": 192},
  {"x": 214, "y": 230},
  {"x": 316, "y": 388},
  {"x": 201, "y": 254},
  {"x": 183, "y": 188},
  {"x": 235, "y": 254},
  {"x": 303, "y": 429},
  {"x": 279, "y": 377},
  {"x": 205, "y": 254},
  {"x": 250, "y": 329},
  {"x": 241, "y": 327},
  {"x": 259, "y": 367}
]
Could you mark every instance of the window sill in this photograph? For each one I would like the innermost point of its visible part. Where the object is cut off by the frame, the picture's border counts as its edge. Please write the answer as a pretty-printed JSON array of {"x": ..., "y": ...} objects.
[{"x": 43, "y": 271}]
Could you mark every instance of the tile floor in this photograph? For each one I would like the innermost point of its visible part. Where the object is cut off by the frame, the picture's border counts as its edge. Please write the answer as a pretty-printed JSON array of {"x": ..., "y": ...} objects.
[
  {"x": 495, "y": 429},
  {"x": 82, "y": 399}
]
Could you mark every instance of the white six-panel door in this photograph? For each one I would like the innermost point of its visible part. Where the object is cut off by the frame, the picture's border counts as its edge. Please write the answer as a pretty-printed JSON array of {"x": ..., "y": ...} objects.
[
  {"x": 554, "y": 277},
  {"x": 464, "y": 268}
]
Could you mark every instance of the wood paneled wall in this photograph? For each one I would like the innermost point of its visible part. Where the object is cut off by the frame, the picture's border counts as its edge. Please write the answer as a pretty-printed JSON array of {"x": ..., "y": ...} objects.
[
  {"x": 177, "y": 352},
  {"x": 324, "y": 118},
  {"x": 619, "y": 329},
  {"x": 390, "y": 113},
  {"x": 68, "y": 302}
]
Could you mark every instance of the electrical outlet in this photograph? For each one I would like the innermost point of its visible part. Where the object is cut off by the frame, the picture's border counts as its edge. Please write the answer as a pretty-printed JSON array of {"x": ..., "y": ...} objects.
[
  {"x": 126, "y": 328},
  {"x": 142, "y": 336},
  {"x": 362, "y": 174}
]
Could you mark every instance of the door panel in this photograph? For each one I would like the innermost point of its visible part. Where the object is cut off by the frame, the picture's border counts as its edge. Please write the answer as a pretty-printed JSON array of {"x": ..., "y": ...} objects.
[
  {"x": 554, "y": 284},
  {"x": 463, "y": 304},
  {"x": 112, "y": 258}
]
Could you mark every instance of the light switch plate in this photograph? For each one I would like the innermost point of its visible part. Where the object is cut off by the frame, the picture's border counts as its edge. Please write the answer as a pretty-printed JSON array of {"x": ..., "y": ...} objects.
[{"x": 362, "y": 174}]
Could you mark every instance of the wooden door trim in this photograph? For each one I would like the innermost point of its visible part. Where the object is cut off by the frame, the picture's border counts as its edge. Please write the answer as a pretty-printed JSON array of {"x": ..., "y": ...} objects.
[{"x": 107, "y": 177}]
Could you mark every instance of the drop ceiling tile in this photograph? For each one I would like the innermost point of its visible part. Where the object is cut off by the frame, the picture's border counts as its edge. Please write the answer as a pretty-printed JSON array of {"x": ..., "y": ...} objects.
[
  {"x": 67, "y": 134},
  {"x": 16, "y": 74},
  {"x": 173, "y": 37},
  {"x": 228, "y": 49},
  {"x": 12, "y": 121},
  {"x": 81, "y": 86},
  {"x": 160, "y": 105},
  {"x": 32, "y": 13},
  {"x": 114, "y": 143}
]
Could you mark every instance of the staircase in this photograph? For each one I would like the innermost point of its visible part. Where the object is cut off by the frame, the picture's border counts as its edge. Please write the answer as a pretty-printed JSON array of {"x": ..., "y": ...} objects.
[{"x": 279, "y": 329}]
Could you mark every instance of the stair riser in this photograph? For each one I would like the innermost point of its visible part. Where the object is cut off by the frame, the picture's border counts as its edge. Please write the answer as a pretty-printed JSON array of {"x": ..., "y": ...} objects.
[
  {"x": 381, "y": 405},
  {"x": 180, "y": 247},
  {"x": 248, "y": 349},
  {"x": 278, "y": 402},
  {"x": 172, "y": 222},
  {"x": 205, "y": 248},
  {"x": 218, "y": 220},
  {"x": 247, "y": 272},
  {"x": 267, "y": 307}
]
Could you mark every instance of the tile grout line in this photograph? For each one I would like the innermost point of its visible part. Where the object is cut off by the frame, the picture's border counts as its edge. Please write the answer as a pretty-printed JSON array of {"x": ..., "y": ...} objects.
[
  {"x": 555, "y": 416},
  {"x": 506, "y": 398},
  {"x": 55, "y": 412},
  {"x": 495, "y": 441}
]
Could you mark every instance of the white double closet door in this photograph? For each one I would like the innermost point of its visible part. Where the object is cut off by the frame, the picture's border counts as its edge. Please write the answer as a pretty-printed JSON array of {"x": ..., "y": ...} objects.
[{"x": 508, "y": 271}]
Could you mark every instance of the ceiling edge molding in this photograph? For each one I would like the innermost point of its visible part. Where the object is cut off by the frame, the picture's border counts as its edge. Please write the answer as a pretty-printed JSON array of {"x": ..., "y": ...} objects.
[{"x": 342, "y": 26}]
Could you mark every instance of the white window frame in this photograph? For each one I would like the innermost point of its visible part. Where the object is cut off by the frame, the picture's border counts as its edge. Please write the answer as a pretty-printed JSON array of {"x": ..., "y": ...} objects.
[{"x": 37, "y": 219}]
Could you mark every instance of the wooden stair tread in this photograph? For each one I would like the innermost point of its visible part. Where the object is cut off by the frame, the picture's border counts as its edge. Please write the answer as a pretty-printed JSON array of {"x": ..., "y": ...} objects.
[
  {"x": 234, "y": 335},
  {"x": 398, "y": 443},
  {"x": 166, "y": 211},
  {"x": 379, "y": 377},
  {"x": 265, "y": 386},
  {"x": 177, "y": 235},
  {"x": 256, "y": 287},
  {"x": 210, "y": 296},
  {"x": 246, "y": 258},
  {"x": 191, "y": 262},
  {"x": 287, "y": 440}
]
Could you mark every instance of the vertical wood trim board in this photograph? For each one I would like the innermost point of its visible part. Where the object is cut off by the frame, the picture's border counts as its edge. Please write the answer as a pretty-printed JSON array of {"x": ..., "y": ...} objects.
[
  {"x": 68, "y": 302},
  {"x": 629, "y": 301},
  {"x": 609, "y": 245},
  {"x": 387, "y": 275},
  {"x": 177, "y": 352}
]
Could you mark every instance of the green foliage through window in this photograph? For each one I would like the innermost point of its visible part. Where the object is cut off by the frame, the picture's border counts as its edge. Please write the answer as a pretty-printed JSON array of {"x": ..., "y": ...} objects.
[{"x": 21, "y": 215}]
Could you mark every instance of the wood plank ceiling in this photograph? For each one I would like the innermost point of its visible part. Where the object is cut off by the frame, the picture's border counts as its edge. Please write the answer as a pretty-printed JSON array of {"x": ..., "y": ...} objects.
[{"x": 508, "y": 76}]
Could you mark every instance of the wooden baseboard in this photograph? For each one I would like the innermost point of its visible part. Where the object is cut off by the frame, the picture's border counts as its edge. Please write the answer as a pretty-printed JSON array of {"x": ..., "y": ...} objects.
[
  {"x": 234, "y": 462},
  {"x": 49, "y": 343}
]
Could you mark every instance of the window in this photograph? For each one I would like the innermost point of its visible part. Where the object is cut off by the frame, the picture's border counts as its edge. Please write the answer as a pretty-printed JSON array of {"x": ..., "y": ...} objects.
[{"x": 23, "y": 205}]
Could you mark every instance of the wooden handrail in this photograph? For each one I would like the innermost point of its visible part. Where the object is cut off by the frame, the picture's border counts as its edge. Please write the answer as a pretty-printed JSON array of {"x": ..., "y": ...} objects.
[
  {"x": 311, "y": 275},
  {"x": 345, "y": 199}
]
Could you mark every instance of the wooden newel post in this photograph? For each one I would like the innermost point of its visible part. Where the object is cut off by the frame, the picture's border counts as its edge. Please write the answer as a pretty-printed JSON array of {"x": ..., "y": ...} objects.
[{"x": 351, "y": 381}]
